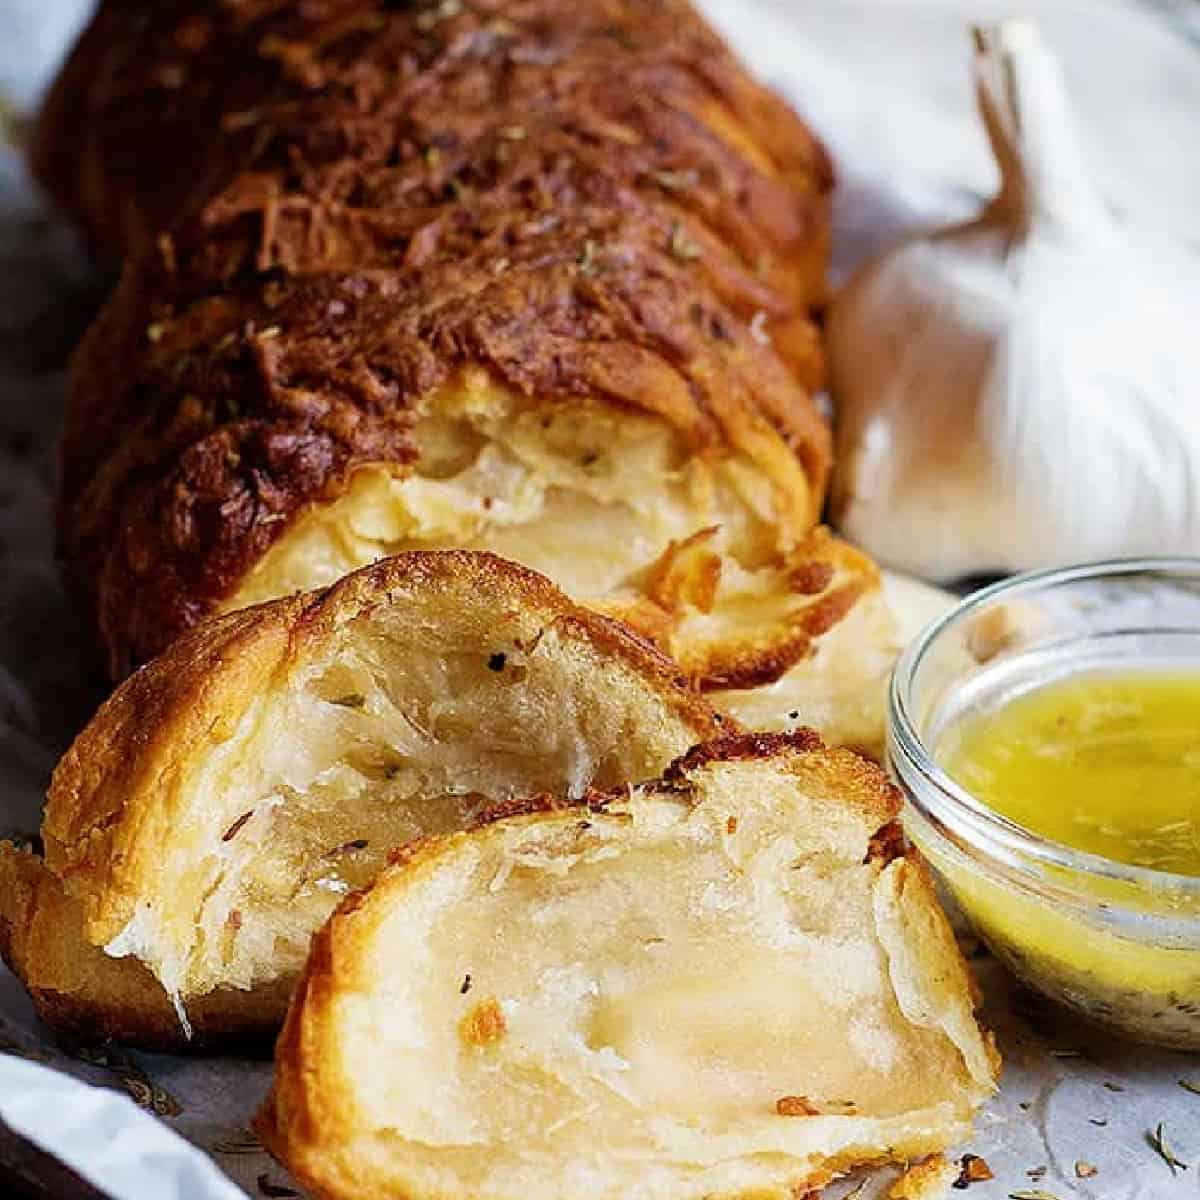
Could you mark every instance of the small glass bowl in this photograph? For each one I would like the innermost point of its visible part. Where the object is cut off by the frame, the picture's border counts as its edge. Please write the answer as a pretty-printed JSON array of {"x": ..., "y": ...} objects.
[{"x": 1118, "y": 943}]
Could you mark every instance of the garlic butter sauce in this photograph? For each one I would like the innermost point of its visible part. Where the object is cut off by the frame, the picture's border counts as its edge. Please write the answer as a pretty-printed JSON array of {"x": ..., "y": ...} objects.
[
  {"x": 1046, "y": 734},
  {"x": 1104, "y": 761}
]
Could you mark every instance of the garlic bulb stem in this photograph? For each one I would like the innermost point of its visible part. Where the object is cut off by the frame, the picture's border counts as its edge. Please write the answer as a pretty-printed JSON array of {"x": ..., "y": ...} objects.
[{"x": 1023, "y": 100}]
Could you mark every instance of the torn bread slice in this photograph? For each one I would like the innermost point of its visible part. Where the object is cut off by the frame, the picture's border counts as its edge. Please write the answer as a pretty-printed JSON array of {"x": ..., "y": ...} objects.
[
  {"x": 731, "y": 982},
  {"x": 223, "y": 800}
]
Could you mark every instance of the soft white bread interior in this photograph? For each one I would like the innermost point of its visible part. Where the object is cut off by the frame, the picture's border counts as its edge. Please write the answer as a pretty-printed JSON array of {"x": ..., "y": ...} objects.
[
  {"x": 226, "y": 797},
  {"x": 706, "y": 554},
  {"x": 841, "y": 687},
  {"x": 732, "y": 982}
]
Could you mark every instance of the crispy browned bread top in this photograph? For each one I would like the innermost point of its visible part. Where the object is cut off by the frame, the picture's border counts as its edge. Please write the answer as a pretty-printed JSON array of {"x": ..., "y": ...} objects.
[
  {"x": 348, "y": 124},
  {"x": 330, "y": 209}
]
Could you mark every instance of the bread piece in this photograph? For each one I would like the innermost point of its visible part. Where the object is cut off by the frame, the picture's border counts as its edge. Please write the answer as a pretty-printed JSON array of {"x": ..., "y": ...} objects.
[
  {"x": 209, "y": 818},
  {"x": 525, "y": 277},
  {"x": 519, "y": 276},
  {"x": 732, "y": 982},
  {"x": 86, "y": 994},
  {"x": 810, "y": 641},
  {"x": 314, "y": 137}
]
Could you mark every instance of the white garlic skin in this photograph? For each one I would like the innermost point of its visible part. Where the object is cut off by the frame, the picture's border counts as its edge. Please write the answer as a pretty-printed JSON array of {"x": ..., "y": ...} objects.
[{"x": 1022, "y": 390}]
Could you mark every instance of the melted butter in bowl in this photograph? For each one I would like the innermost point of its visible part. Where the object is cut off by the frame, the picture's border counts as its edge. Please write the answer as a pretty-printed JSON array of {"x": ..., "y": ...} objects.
[
  {"x": 1107, "y": 762},
  {"x": 1046, "y": 734}
]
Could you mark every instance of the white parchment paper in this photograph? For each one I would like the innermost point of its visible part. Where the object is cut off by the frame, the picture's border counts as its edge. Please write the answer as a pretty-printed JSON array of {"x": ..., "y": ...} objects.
[{"x": 886, "y": 81}]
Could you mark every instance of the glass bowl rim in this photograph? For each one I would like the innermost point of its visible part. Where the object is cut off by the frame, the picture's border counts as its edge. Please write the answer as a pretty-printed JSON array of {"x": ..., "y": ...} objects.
[{"x": 903, "y": 735}]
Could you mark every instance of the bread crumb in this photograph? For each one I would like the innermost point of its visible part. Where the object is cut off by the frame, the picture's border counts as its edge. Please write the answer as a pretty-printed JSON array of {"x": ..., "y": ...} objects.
[
  {"x": 973, "y": 1170},
  {"x": 795, "y": 1106},
  {"x": 932, "y": 1177},
  {"x": 1002, "y": 628},
  {"x": 484, "y": 1025}
]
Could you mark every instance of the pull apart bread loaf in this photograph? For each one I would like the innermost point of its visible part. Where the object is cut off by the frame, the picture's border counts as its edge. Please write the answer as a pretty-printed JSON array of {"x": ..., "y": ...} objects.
[
  {"x": 514, "y": 275},
  {"x": 730, "y": 982},
  {"x": 223, "y": 800}
]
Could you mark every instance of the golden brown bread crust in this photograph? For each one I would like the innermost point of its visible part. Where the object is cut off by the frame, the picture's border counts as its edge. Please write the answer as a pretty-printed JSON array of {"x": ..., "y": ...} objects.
[
  {"x": 332, "y": 91},
  {"x": 313, "y": 1119},
  {"x": 822, "y": 581},
  {"x": 82, "y": 993},
  {"x": 120, "y": 803},
  {"x": 331, "y": 209}
]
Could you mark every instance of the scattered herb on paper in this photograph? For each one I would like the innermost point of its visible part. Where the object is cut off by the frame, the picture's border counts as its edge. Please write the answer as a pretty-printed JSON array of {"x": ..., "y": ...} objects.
[
  {"x": 1158, "y": 1139},
  {"x": 239, "y": 1141},
  {"x": 140, "y": 1088}
]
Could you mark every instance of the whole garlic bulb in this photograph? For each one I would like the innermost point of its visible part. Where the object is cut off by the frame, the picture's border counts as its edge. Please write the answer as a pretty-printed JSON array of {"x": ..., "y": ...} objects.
[{"x": 1021, "y": 390}]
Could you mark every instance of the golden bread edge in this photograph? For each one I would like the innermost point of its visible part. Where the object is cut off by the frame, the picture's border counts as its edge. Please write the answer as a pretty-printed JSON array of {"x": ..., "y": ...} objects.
[{"x": 299, "y": 1118}]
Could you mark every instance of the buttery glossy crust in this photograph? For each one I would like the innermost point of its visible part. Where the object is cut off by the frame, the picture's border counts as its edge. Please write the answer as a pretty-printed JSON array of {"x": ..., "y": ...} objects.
[
  {"x": 302, "y": 1114},
  {"x": 331, "y": 209},
  {"x": 107, "y": 813}
]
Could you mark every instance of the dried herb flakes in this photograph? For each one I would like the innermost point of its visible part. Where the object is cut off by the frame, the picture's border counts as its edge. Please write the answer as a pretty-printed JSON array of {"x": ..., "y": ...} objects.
[
  {"x": 236, "y": 827},
  {"x": 1158, "y": 1140},
  {"x": 681, "y": 247}
]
